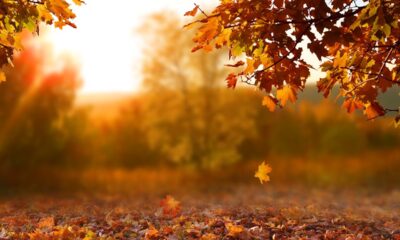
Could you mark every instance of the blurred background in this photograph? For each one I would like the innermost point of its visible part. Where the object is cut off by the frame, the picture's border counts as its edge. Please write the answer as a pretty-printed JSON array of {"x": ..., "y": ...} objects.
[{"x": 161, "y": 119}]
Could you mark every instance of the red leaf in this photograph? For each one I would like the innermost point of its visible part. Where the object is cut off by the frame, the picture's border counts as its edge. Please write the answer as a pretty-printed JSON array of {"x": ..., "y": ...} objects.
[{"x": 231, "y": 80}]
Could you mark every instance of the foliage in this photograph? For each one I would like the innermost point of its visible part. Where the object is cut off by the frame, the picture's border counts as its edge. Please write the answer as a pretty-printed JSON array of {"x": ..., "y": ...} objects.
[
  {"x": 262, "y": 172},
  {"x": 17, "y": 16},
  {"x": 35, "y": 106},
  {"x": 241, "y": 213},
  {"x": 189, "y": 116},
  {"x": 356, "y": 42}
]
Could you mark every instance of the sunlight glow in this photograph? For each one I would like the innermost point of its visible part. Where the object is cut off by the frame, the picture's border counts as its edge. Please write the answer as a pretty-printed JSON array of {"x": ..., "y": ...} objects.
[{"x": 105, "y": 42}]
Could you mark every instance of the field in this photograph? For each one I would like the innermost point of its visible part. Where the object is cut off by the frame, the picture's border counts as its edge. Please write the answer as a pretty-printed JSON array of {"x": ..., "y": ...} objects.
[
  {"x": 335, "y": 199},
  {"x": 242, "y": 212}
]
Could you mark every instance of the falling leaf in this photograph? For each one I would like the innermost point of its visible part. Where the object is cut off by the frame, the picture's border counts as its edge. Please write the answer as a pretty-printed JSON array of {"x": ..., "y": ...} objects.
[{"x": 262, "y": 172}]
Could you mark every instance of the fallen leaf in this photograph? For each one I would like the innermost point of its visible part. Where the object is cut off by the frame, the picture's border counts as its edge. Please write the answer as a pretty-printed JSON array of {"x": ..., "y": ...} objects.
[{"x": 170, "y": 206}]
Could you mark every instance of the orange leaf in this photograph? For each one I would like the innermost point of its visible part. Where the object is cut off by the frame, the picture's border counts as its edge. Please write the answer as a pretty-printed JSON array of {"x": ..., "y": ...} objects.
[
  {"x": 374, "y": 110},
  {"x": 286, "y": 93},
  {"x": 234, "y": 230},
  {"x": 270, "y": 103},
  {"x": 262, "y": 172},
  {"x": 192, "y": 12},
  {"x": 250, "y": 66},
  {"x": 47, "y": 222},
  {"x": 237, "y": 64},
  {"x": 351, "y": 105},
  {"x": 170, "y": 206}
]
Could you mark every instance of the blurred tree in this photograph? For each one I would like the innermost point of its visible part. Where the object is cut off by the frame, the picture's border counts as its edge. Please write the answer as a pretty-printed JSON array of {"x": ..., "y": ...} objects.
[
  {"x": 190, "y": 117},
  {"x": 34, "y": 103}
]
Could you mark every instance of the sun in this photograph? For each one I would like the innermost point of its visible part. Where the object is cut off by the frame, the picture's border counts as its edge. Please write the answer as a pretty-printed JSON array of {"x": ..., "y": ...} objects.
[{"x": 105, "y": 43}]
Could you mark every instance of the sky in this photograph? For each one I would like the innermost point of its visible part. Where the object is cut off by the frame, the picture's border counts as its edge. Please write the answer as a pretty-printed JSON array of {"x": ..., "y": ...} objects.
[{"x": 105, "y": 43}]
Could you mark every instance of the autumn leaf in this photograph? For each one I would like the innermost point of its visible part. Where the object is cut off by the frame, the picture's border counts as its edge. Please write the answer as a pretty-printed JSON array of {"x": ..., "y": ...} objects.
[
  {"x": 286, "y": 93},
  {"x": 2, "y": 76},
  {"x": 192, "y": 12},
  {"x": 237, "y": 64},
  {"x": 357, "y": 46},
  {"x": 231, "y": 80},
  {"x": 78, "y": 2},
  {"x": 152, "y": 233},
  {"x": 170, "y": 206},
  {"x": 350, "y": 105},
  {"x": 397, "y": 121},
  {"x": 270, "y": 103},
  {"x": 262, "y": 172},
  {"x": 373, "y": 111},
  {"x": 234, "y": 230},
  {"x": 250, "y": 66},
  {"x": 47, "y": 222}
]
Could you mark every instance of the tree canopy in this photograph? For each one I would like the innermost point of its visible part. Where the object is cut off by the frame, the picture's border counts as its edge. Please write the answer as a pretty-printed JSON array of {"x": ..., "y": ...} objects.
[
  {"x": 17, "y": 16},
  {"x": 357, "y": 44}
]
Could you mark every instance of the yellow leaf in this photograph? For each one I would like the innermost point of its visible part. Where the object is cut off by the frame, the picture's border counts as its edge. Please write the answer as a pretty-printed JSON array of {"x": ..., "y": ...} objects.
[
  {"x": 234, "y": 230},
  {"x": 2, "y": 76},
  {"x": 250, "y": 66},
  {"x": 286, "y": 93},
  {"x": 262, "y": 172},
  {"x": 78, "y": 2},
  {"x": 270, "y": 103}
]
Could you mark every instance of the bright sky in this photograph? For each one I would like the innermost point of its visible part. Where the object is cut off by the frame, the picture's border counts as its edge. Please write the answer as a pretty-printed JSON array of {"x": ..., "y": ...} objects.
[{"x": 105, "y": 43}]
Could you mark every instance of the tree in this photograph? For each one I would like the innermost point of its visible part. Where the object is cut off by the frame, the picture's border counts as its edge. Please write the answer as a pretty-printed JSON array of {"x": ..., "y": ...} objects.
[
  {"x": 35, "y": 107},
  {"x": 19, "y": 15},
  {"x": 356, "y": 42},
  {"x": 189, "y": 116}
]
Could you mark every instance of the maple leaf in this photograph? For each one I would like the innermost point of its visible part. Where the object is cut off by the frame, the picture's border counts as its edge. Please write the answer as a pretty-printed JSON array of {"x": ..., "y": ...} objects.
[
  {"x": 47, "y": 222},
  {"x": 231, "y": 80},
  {"x": 192, "y": 12},
  {"x": 237, "y": 64},
  {"x": 262, "y": 172},
  {"x": 152, "y": 233},
  {"x": 286, "y": 93},
  {"x": 351, "y": 105},
  {"x": 270, "y": 103},
  {"x": 2, "y": 77},
  {"x": 373, "y": 111},
  {"x": 170, "y": 206},
  {"x": 342, "y": 39},
  {"x": 234, "y": 230}
]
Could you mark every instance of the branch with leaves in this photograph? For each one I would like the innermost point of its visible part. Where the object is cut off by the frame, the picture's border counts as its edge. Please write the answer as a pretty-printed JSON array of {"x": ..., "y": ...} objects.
[
  {"x": 19, "y": 16},
  {"x": 356, "y": 43}
]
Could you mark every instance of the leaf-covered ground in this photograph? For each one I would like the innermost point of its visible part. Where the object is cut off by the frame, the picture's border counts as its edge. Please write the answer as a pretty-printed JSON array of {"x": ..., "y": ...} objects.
[{"x": 236, "y": 213}]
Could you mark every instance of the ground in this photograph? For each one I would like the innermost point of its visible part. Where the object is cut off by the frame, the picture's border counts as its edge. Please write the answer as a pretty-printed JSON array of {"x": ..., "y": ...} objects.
[{"x": 236, "y": 212}]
